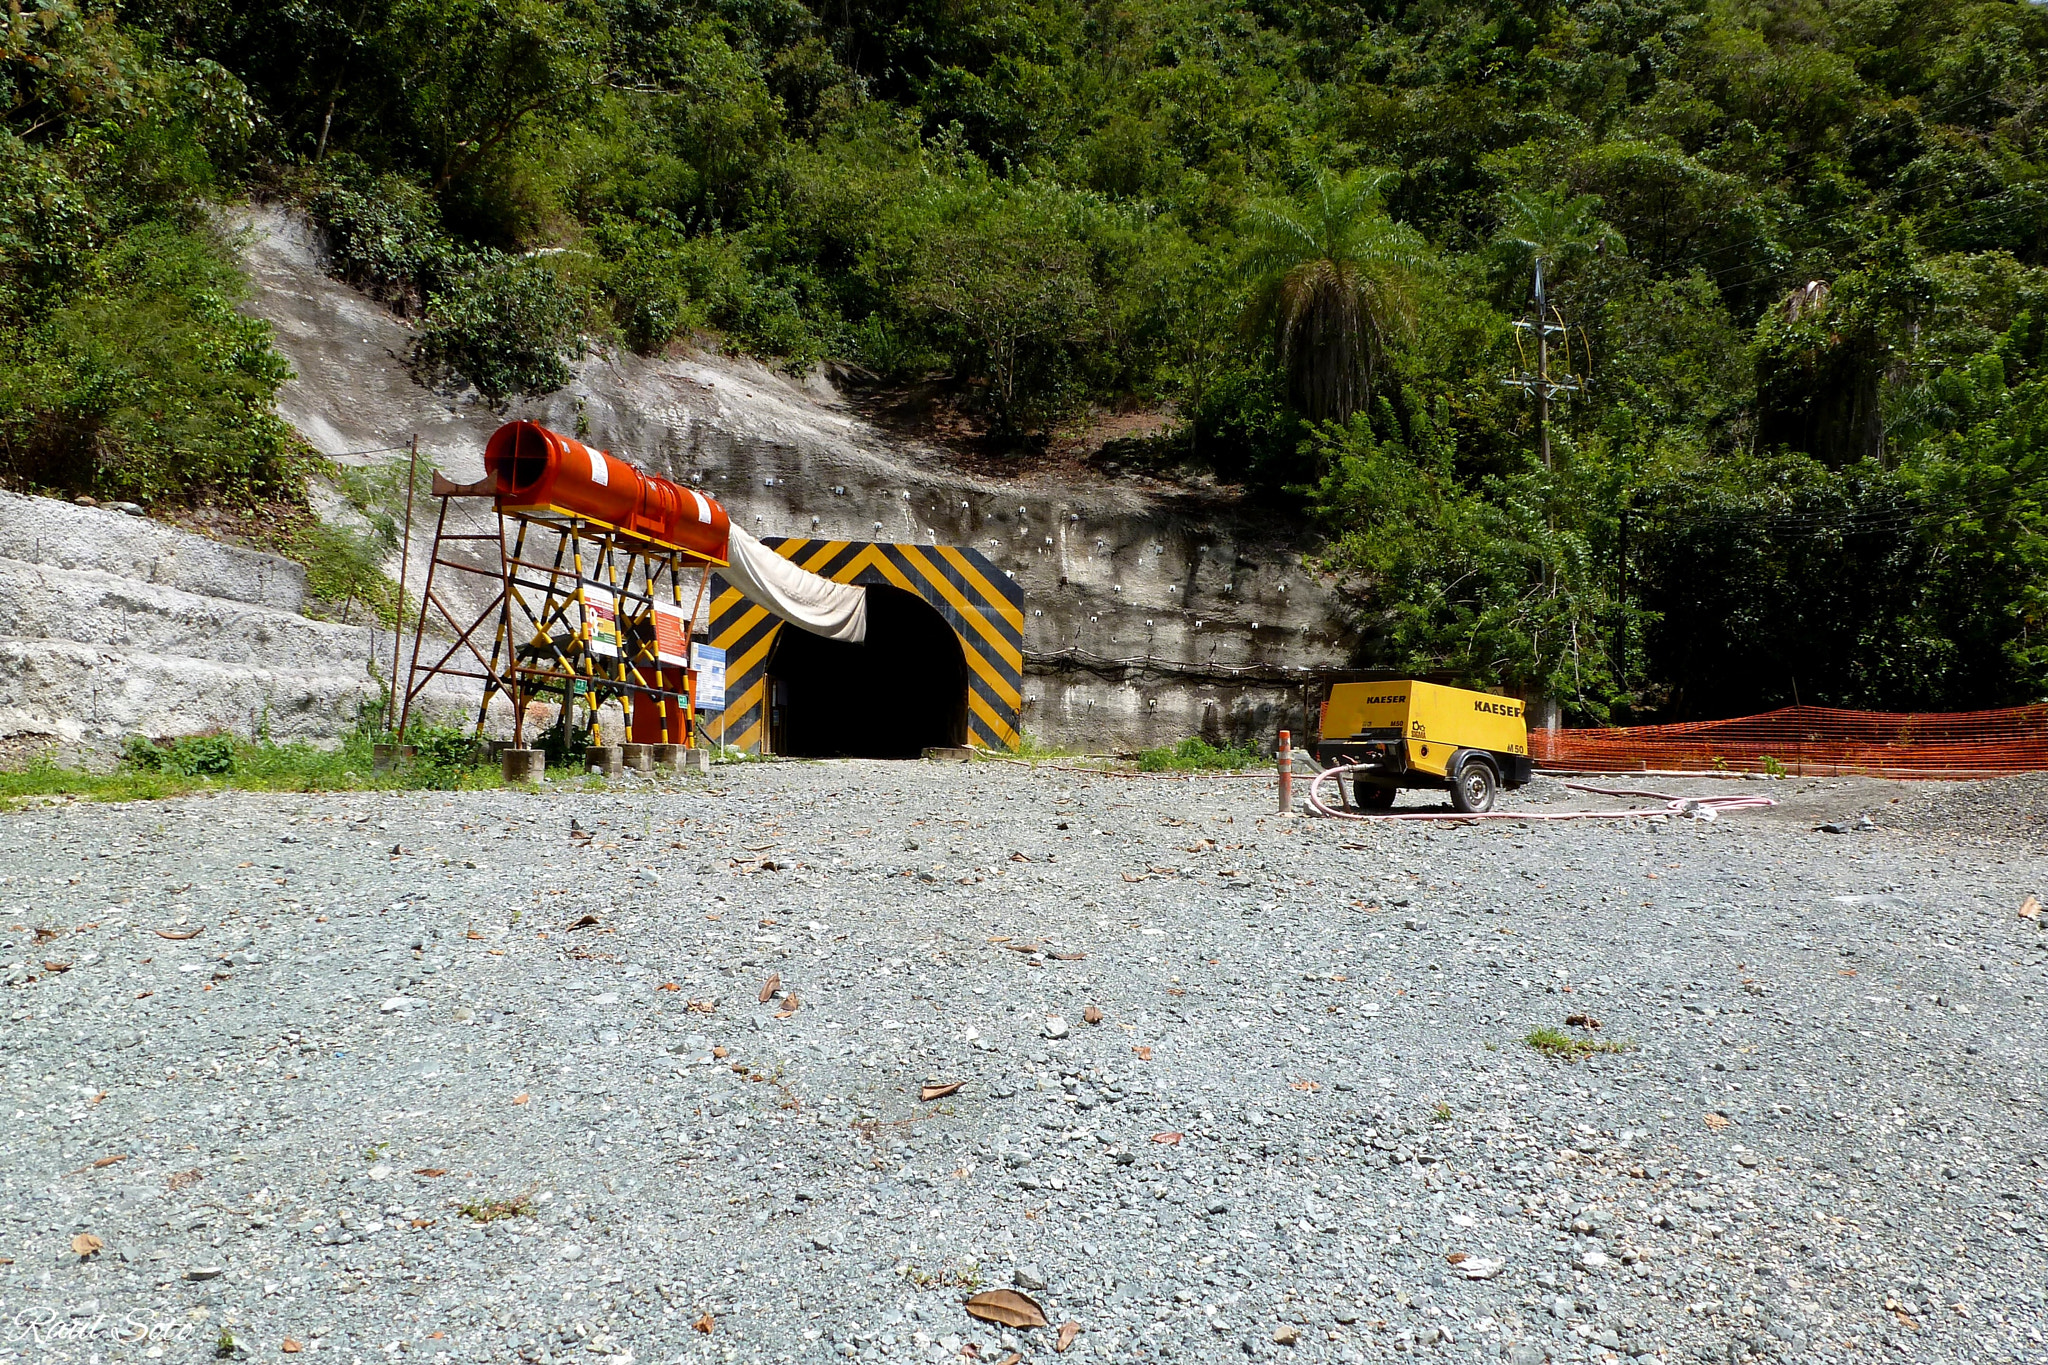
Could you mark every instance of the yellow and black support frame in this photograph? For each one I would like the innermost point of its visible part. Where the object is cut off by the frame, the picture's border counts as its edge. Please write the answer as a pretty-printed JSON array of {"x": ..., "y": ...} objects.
[
  {"x": 573, "y": 609},
  {"x": 982, "y": 605}
]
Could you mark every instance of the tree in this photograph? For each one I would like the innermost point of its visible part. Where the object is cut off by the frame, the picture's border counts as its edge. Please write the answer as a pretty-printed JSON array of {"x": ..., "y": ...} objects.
[
  {"x": 1334, "y": 279},
  {"x": 1555, "y": 232},
  {"x": 1017, "y": 283}
]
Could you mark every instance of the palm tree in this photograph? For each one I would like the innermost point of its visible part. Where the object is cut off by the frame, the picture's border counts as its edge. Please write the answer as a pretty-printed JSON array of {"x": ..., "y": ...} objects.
[
  {"x": 1334, "y": 278},
  {"x": 1555, "y": 231}
]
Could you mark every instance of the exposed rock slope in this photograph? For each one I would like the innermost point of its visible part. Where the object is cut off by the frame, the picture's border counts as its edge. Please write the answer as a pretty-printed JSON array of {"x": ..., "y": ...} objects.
[{"x": 1150, "y": 614}]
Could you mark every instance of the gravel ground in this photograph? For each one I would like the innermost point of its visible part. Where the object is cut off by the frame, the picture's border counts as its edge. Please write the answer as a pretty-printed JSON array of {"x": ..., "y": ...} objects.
[{"x": 1307, "y": 1125}]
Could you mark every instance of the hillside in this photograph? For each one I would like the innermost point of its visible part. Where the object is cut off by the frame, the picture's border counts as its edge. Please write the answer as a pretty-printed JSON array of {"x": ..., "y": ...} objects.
[{"x": 1792, "y": 259}]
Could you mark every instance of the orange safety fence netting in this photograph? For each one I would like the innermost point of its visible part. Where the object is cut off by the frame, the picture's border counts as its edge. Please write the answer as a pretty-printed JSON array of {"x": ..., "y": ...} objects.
[{"x": 1816, "y": 740}]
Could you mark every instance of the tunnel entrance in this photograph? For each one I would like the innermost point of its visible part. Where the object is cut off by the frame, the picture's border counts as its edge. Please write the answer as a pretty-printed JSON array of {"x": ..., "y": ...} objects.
[{"x": 897, "y": 693}]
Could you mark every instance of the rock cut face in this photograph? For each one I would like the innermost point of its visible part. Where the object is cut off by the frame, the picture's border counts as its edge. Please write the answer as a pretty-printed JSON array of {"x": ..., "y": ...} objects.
[{"x": 1151, "y": 612}]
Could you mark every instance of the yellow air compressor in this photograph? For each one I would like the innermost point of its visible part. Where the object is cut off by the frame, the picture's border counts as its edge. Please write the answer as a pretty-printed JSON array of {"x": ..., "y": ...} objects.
[{"x": 1418, "y": 734}]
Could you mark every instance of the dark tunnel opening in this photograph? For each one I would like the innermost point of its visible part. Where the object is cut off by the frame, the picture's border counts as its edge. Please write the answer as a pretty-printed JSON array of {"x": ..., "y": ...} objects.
[{"x": 897, "y": 693}]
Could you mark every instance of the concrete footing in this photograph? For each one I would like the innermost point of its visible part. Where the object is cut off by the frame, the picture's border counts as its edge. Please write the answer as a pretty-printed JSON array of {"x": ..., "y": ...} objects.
[
  {"x": 606, "y": 760},
  {"x": 638, "y": 757},
  {"x": 950, "y": 754},
  {"x": 522, "y": 765}
]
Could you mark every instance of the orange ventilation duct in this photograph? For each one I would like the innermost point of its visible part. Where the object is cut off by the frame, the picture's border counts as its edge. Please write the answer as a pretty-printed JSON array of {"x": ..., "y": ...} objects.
[{"x": 531, "y": 469}]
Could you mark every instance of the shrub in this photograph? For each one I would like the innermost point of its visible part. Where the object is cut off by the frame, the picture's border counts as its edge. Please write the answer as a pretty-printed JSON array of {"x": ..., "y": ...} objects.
[
  {"x": 506, "y": 328},
  {"x": 193, "y": 756},
  {"x": 1195, "y": 754}
]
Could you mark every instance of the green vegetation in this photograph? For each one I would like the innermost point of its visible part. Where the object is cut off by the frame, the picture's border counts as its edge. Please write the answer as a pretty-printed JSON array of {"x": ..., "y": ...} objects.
[
  {"x": 1795, "y": 254},
  {"x": 1195, "y": 754},
  {"x": 448, "y": 759},
  {"x": 1565, "y": 1047},
  {"x": 491, "y": 1210}
]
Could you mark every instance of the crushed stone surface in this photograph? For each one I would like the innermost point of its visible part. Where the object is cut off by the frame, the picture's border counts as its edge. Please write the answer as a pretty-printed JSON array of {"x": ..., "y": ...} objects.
[{"x": 435, "y": 1079}]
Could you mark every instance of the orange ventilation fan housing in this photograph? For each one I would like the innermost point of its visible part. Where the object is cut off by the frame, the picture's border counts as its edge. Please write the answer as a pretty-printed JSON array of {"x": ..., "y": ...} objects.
[{"x": 531, "y": 469}]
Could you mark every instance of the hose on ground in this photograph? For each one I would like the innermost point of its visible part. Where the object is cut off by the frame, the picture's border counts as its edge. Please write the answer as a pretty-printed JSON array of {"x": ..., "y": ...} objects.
[{"x": 1691, "y": 807}]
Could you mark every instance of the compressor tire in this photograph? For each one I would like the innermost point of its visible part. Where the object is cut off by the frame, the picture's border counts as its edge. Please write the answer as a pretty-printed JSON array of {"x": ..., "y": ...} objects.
[
  {"x": 1372, "y": 796},
  {"x": 1473, "y": 788}
]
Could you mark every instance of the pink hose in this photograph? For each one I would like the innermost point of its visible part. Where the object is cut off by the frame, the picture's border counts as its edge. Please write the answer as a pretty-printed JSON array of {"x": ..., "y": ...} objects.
[{"x": 1692, "y": 807}]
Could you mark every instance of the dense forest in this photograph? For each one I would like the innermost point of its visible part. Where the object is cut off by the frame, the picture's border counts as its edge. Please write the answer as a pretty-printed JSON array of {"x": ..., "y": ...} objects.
[{"x": 1794, "y": 337}]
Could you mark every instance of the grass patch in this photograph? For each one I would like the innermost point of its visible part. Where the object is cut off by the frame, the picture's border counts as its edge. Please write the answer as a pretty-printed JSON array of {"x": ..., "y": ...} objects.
[
  {"x": 1195, "y": 754},
  {"x": 1565, "y": 1048},
  {"x": 1440, "y": 1114},
  {"x": 152, "y": 770},
  {"x": 1032, "y": 749},
  {"x": 491, "y": 1210}
]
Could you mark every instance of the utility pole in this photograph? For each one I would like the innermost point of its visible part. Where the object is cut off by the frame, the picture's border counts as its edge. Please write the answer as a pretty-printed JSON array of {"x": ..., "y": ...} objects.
[{"x": 1544, "y": 385}]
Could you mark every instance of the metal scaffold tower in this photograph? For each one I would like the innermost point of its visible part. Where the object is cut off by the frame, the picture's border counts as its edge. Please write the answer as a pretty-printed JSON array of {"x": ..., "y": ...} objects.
[{"x": 580, "y": 614}]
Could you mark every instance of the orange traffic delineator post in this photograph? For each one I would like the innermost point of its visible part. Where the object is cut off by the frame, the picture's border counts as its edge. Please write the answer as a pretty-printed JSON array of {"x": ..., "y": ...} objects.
[{"x": 1286, "y": 772}]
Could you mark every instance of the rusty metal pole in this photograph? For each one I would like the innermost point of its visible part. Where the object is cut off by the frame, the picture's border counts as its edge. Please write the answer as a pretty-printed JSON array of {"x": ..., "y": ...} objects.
[
  {"x": 412, "y": 478},
  {"x": 1287, "y": 772}
]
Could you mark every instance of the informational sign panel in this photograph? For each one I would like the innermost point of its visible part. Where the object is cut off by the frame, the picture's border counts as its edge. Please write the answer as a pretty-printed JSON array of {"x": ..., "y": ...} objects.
[
  {"x": 671, "y": 641},
  {"x": 709, "y": 661},
  {"x": 601, "y": 613}
]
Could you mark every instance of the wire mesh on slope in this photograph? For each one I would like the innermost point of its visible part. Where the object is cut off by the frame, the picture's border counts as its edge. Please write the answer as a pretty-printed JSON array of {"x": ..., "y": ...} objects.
[{"x": 1814, "y": 740}]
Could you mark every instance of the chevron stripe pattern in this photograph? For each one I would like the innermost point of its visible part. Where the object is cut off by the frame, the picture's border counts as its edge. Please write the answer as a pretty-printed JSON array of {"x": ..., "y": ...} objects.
[{"x": 983, "y": 606}]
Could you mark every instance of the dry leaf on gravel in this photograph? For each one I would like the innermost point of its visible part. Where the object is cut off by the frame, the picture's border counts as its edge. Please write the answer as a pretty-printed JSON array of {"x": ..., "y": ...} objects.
[
  {"x": 430, "y": 1171},
  {"x": 1170, "y": 1139},
  {"x": 937, "y": 1090},
  {"x": 2030, "y": 908},
  {"x": 1011, "y": 1359},
  {"x": 1007, "y": 1307},
  {"x": 179, "y": 1180},
  {"x": 1144, "y": 1053},
  {"x": 1585, "y": 1021},
  {"x": 703, "y": 1324},
  {"x": 179, "y": 935},
  {"x": 1717, "y": 1121},
  {"x": 1305, "y": 1085},
  {"x": 770, "y": 986},
  {"x": 790, "y": 1005},
  {"x": 521, "y": 1098},
  {"x": 668, "y": 986},
  {"x": 583, "y": 922},
  {"x": 1068, "y": 1331},
  {"x": 1455, "y": 1258},
  {"x": 1068, "y": 957},
  {"x": 85, "y": 1244},
  {"x": 290, "y": 1347},
  {"x": 107, "y": 1161},
  {"x": 473, "y": 934},
  {"x": 1093, "y": 1014}
]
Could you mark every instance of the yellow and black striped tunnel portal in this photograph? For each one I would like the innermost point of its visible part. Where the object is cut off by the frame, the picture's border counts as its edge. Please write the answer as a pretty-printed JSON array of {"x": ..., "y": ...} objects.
[{"x": 943, "y": 663}]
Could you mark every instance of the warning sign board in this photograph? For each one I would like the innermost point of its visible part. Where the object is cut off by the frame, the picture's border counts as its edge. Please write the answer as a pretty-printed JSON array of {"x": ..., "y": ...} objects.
[
  {"x": 601, "y": 615},
  {"x": 709, "y": 661},
  {"x": 671, "y": 640}
]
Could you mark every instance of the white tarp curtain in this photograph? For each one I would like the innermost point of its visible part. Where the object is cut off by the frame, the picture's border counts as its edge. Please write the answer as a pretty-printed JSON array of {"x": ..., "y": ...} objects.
[{"x": 837, "y": 611}]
